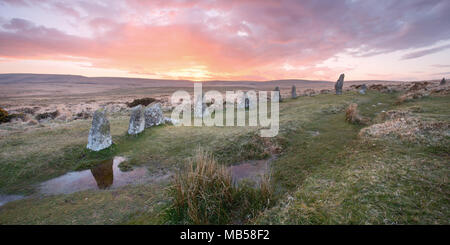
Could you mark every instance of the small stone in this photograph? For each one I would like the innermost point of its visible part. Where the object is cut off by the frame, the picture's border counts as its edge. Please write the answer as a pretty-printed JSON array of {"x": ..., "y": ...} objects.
[
  {"x": 170, "y": 121},
  {"x": 99, "y": 134},
  {"x": 339, "y": 84},
  {"x": 137, "y": 120}
]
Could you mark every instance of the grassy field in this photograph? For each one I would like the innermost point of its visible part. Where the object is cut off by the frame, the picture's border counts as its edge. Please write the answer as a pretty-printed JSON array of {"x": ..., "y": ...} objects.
[{"x": 325, "y": 173}]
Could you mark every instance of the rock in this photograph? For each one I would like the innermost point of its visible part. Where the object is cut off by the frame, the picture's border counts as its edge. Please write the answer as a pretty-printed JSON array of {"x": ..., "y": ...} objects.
[
  {"x": 99, "y": 135},
  {"x": 137, "y": 120},
  {"x": 339, "y": 84},
  {"x": 280, "y": 99},
  {"x": 362, "y": 89},
  {"x": 294, "y": 92},
  {"x": 200, "y": 109},
  {"x": 443, "y": 81},
  {"x": 241, "y": 101},
  {"x": 153, "y": 115}
]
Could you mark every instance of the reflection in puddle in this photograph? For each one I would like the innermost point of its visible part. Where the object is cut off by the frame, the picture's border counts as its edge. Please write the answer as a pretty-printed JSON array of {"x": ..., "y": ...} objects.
[
  {"x": 105, "y": 175},
  {"x": 9, "y": 198}
]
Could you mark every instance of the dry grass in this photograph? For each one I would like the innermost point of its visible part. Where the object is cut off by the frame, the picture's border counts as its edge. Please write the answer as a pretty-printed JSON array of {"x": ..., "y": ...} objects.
[
  {"x": 352, "y": 115},
  {"x": 204, "y": 193}
]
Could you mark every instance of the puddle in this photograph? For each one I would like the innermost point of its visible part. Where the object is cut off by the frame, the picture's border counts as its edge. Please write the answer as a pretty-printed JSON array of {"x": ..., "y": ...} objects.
[
  {"x": 9, "y": 198},
  {"x": 105, "y": 175},
  {"x": 251, "y": 169}
]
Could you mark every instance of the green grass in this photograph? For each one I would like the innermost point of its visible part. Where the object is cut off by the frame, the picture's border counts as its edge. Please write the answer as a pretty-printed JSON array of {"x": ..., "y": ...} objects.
[{"x": 324, "y": 173}]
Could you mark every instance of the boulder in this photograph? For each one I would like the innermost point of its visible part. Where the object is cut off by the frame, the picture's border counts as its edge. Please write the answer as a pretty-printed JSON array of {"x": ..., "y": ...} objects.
[
  {"x": 242, "y": 101},
  {"x": 443, "y": 81},
  {"x": 153, "y": 115},
  {"x": 137, "y": 120},
  {"x": 294, "y": 92},
  {"x": 339, "y": 84},
  {"x": 99, "y": 135}
]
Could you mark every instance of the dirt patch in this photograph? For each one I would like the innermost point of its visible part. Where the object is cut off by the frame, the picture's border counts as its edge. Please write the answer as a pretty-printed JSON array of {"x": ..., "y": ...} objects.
[{"x": 143, "y": 102}]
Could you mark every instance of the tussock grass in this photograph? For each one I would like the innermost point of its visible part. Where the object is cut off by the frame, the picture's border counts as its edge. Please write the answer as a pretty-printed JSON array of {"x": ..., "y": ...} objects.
[{"x": 204, "y": 194}]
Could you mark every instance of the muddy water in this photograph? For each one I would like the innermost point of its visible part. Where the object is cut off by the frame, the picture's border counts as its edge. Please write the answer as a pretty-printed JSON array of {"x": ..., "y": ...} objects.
[
  {"x": 105, "y": 175},
  {"x": 252, "y": 170},
  {"x": 9, "y": 198}
]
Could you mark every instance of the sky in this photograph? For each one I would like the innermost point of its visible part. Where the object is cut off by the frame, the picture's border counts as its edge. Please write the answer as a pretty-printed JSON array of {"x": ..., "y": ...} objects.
[{"x": 228, "y": 40}]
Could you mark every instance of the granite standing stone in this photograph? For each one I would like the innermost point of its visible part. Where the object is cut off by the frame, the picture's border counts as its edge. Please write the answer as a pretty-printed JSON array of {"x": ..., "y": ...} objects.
[
  {"x": 241, "y": 101},
  {"x": 294, "y": 92},
  {"x": 443, "y": 81},
  {"x": 153, "y": 115},
  {"x": 339, "y": 84},
  {"x": 137, "y": 120},
  {"x": 200, "y": 108},
  {"x": 279, "y": 94},
  {"x": 99, "y": 135}
]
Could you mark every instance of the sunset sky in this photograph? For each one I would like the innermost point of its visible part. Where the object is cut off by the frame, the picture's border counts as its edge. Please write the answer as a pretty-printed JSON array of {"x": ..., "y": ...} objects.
[{"x": 228, "y": 40}]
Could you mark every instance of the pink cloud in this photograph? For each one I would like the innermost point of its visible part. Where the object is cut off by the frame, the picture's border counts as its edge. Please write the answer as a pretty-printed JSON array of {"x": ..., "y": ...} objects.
[{"x": 160, "y": 37}]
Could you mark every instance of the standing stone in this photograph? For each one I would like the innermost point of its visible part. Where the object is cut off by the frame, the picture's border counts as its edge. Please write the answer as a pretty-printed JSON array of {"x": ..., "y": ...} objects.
[
  {"x": 137, "y": 120},
  {"x": 153, "y": 115},
  {"x": 242, "y": 101},
  {"x": 99, "y": 135},
  {"x": 339, "y": 84},
  {"x": 294, "y": 92},
  {"x": 362, "y": 89},
  {"x": 279, "y": 94},
  {"x": 200, "y": 109},
  {"x": 443, "y": 81}
]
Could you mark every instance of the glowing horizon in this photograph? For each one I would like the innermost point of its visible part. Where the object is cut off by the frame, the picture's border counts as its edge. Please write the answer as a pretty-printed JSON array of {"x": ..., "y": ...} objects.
[{"x": 227, "y": 40}]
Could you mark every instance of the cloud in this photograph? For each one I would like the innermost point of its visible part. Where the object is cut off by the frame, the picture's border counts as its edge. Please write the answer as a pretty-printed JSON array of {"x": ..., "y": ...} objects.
[
  {"x": 424, "y": 52},
  {"x": 225, "y": 39},
  {"x": 441, "y": 66}
]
